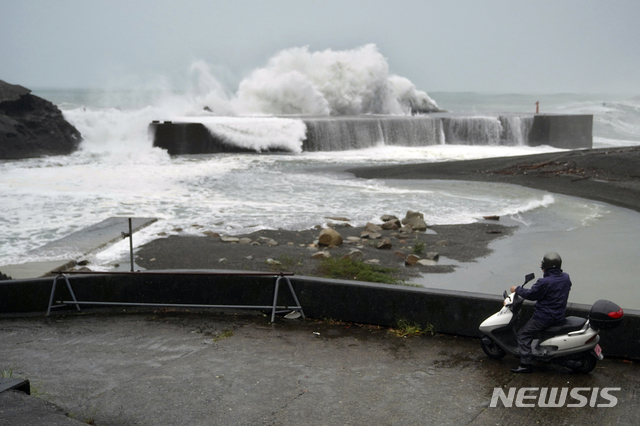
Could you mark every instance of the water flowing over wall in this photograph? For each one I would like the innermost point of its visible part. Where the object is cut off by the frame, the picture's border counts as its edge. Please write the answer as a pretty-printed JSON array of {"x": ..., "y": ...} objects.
[
  {"x": 338, "y": 134},
  {"x": 297, "y": 134},
  {"x": 500, "y": 130},
  {"x": 516, "y": 128}
]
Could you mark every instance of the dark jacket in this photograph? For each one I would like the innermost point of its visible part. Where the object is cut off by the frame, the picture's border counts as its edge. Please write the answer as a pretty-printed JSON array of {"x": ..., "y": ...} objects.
[{"x": 551, "y": 294}]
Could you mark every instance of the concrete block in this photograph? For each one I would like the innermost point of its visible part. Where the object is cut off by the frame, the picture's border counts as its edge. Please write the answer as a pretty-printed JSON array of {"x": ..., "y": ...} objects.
[
  {"x": 562, "y": 131},
  {"x": 21, "y": 385}
]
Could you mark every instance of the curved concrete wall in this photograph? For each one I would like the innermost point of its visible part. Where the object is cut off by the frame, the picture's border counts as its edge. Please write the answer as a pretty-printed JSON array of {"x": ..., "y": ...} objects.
[{"x": 449, "y": 312}]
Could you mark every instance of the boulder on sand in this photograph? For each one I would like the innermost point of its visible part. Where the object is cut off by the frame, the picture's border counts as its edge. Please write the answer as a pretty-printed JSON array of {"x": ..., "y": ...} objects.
[
  {"x": 415, "y": 220},
  {"x": 320, "y": 255},
  {"x": 330, "y": 237},
  {"x": 354, "y": 256},
  {"x": 411, "y": 259},
  {"x": 385, "y": 244}
]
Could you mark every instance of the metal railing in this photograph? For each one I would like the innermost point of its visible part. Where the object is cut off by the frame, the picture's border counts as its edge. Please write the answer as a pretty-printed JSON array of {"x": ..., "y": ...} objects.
[{"x": 274, "y": 307}]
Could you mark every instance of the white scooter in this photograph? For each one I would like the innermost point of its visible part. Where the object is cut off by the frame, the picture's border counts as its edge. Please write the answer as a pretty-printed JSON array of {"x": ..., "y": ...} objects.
[{"x": 571, "y": 343}]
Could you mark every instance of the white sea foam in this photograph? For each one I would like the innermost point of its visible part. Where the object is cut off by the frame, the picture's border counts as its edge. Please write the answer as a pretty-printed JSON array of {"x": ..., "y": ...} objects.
[
  {"x": 256, "y": 133},
  {"x": 45, "y": 199}
]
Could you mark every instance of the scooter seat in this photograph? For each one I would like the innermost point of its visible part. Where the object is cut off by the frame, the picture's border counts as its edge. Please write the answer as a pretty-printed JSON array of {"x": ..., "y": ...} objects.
[{"x": 565, "y": 326}]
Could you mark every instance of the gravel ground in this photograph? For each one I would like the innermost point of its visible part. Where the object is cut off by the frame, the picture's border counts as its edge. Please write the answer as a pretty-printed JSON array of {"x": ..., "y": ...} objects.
[{"x": 453, "y": 243}]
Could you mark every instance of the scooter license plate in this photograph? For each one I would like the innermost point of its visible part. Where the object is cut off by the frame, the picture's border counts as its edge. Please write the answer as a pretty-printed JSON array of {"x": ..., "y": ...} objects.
[{"x": 598, "y": 351}]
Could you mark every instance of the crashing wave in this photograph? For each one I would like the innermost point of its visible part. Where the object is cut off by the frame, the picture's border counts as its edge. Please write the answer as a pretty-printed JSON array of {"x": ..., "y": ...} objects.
[{"x": 297, "y": 81}]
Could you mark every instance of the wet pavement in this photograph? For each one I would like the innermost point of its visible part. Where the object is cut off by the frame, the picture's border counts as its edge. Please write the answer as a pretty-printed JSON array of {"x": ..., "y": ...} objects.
[{"x": 172, "y": 367}]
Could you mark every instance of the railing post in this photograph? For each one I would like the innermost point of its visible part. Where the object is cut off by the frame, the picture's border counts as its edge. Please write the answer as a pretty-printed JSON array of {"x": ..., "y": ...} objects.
[{"x": 53, "y": 290}]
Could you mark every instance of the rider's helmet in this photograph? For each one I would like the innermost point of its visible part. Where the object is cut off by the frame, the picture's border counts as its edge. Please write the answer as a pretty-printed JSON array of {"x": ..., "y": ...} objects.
[{"x": 551, "y": 260}]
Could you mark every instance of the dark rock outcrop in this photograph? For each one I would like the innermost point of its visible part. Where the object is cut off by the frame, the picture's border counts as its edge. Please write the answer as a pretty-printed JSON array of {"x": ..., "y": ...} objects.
[{"x": 31, "y": 126}]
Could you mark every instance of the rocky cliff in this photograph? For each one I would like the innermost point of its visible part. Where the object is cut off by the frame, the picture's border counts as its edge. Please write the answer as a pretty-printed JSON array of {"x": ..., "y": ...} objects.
[{"x": 31, "y": 126}]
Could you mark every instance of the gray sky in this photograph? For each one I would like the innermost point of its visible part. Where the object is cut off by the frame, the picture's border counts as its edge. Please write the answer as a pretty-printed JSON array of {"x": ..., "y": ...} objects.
[{"x": 548, "y": 46}]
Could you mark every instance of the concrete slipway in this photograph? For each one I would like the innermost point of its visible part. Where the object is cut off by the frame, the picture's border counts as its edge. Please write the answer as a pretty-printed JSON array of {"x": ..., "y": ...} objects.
[{"x": 73, "y": 246}]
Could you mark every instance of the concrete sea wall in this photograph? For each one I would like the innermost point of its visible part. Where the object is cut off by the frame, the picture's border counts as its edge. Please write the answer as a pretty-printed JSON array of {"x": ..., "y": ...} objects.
[
  {"x": 458, "y": 313},
  {"x": 346, "y": 133},
  {"x": 562, "y": 131}
]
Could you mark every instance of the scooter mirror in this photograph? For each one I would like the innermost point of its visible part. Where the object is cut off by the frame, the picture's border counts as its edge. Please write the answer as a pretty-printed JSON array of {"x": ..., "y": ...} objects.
[
  {"x": 528, "y": 278},
  {"x": 505, "y": 294}
]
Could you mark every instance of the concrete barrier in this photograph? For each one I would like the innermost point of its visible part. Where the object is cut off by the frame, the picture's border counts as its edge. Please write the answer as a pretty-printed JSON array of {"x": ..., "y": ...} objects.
[
  {"x": 189, "y": 138},
  {"x": 562, "y": 131},
  {"x": 343, "y": 133},
  {"x": 449, "y": 312}
]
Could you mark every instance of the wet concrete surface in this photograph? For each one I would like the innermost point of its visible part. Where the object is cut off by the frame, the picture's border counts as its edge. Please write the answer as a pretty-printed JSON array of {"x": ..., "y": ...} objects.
[
  {"x": 125, "y": 367},
  {"x": 70, "y": 248}
]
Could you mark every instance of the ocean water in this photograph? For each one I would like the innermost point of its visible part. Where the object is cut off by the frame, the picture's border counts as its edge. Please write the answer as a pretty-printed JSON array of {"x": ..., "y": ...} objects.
[{"x": 117, "y": 171}]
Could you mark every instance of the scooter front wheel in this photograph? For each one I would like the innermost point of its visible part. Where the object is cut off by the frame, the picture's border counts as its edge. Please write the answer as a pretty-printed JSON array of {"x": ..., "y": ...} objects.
[{"x": 491, "y": 348}]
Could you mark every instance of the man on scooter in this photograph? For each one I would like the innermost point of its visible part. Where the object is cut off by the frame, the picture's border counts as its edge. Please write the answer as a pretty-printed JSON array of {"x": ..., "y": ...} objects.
[{"x": 551, "y": 293}]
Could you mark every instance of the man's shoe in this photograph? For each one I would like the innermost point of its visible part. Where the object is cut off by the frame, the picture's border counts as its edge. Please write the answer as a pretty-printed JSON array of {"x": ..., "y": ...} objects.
[{"x": 522, "y": 368}]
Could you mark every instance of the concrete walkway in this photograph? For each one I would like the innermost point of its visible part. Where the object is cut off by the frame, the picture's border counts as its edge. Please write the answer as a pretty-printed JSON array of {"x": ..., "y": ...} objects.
[
  {"x": 74, "y": 246},
  {"x": 179, "y": 368}
]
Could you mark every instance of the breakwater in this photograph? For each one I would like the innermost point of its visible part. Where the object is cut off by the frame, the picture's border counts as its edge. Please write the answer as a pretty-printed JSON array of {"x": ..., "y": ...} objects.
[{"x": 296, "y": 134}]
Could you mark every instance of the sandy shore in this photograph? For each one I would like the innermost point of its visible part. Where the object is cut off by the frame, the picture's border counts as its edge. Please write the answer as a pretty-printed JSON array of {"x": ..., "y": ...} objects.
[{"x": 606, "y": 175}]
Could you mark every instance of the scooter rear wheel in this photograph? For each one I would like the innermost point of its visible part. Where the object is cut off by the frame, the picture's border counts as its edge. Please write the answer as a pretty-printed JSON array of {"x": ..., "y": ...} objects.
[
  {"x": 491, "y": 348},
  {"x": 584, "y": 363}
]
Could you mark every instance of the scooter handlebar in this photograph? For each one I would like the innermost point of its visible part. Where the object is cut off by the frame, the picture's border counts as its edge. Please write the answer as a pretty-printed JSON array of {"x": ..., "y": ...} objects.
[{"x": 513, "y": 297}]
